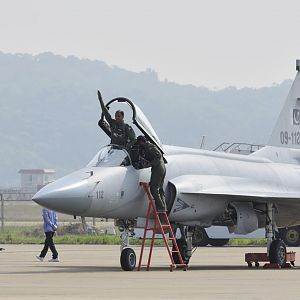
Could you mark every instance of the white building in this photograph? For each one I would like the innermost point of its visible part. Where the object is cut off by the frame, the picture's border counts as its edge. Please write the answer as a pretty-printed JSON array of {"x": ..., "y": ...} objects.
[{"x": 34, "y": 179}]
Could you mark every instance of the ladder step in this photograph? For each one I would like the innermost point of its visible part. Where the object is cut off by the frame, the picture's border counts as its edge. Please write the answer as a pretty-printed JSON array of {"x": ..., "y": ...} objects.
[{"x": 181, "y": 265}]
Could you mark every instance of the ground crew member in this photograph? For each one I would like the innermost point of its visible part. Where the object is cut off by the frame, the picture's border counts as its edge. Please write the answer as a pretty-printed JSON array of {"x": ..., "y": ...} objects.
[
  {"x": 121, "y": 133},
  {"x": 50, "y": 226},
  {"x": 158, "y": 172}
]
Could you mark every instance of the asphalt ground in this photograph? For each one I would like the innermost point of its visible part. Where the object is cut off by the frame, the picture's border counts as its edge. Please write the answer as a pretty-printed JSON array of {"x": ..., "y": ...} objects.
[{"x": 93, "y": 272}]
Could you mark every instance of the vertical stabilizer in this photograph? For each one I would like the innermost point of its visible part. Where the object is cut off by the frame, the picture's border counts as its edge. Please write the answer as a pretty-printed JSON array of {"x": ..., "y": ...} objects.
[{"x": 287, "y": 129}]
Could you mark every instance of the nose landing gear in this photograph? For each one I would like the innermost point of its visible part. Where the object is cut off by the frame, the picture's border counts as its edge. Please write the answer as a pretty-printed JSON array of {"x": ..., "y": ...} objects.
[{"x": 128, "y": 257}]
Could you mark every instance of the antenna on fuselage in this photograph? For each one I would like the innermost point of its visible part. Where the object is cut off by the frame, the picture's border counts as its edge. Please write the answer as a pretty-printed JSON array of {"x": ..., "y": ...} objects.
[{"x": 202, "y": 141}]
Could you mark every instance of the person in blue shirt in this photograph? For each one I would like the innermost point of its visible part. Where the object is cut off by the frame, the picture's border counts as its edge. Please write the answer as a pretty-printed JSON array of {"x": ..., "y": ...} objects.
[{"x": 50, "y": 226}]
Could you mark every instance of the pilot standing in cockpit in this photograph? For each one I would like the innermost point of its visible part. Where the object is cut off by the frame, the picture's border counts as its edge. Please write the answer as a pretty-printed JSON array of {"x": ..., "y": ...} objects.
[
  {"x": 158, "y": 172},
  {"x": 121, "y": 133}
]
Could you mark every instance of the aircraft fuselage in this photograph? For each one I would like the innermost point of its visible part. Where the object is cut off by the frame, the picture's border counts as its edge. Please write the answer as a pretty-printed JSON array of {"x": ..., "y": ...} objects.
[{"x": 114, "y": 192}]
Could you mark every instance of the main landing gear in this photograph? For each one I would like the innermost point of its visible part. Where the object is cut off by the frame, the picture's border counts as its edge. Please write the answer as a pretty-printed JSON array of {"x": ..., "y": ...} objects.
[
  {"x": 201, "y": 239},
  {"x": 128, "y": 257},
  {"x": 275, "y": 247},
  {"x": 290, "y": 236},
  {"x": 184, "y": 244},
  {"x": 276, "y": 255}
]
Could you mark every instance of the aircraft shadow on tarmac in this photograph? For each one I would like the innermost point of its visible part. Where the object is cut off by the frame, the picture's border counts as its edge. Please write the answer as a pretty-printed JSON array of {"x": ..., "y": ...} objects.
[{"x": 99, "y": 269}]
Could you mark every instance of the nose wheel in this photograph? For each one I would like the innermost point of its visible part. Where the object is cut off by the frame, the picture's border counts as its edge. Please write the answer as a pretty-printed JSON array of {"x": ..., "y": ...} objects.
[{"x": 128, "y": 259}]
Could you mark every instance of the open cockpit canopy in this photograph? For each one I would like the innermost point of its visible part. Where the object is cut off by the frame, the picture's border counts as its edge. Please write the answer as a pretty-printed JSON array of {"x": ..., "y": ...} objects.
[{"x": 138, "y": 119}]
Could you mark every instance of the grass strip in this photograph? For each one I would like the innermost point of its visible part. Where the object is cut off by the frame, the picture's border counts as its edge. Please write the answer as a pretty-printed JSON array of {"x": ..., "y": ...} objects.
[{"x": 35, "y": 235}]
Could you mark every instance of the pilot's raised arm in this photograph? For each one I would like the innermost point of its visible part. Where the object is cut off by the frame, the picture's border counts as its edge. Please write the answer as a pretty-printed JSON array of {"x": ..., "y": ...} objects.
[
  {"x": 105, "y": 112},
  {"x": 120, "y": 133}
]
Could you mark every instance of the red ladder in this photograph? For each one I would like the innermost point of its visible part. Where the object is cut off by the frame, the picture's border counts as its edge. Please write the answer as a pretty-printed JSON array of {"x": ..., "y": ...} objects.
[{"x": 161, "y": 228}]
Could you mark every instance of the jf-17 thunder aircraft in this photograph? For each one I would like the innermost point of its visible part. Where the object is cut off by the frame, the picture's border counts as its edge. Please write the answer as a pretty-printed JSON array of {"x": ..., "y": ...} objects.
[{"x": 202, "y": 188}]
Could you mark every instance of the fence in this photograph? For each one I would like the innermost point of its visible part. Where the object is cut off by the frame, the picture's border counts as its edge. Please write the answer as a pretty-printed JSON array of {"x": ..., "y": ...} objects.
[
  {"x": 19, "y": 213},
  {"x": 2, "y": 211}
]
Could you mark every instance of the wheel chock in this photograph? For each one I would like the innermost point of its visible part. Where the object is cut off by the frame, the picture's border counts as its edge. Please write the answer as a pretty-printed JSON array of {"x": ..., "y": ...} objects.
[
  {"x": 255, "y": 258},
  {"x": 276, "y": 266}
]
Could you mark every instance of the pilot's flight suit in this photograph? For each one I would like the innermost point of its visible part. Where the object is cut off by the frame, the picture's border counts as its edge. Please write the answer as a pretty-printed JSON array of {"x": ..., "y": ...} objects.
[
  {"x": 121, "y": 134},
  {"x": 158, "y": 173}
]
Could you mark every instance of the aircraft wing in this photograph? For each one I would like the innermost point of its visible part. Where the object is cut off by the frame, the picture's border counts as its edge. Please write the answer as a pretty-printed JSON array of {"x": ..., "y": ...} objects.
[{"x": 234, "y": 189}]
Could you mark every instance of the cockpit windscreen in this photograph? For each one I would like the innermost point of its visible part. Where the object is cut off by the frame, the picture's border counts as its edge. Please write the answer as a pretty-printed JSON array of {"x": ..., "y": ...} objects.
[{"x": 110, "y": 156}]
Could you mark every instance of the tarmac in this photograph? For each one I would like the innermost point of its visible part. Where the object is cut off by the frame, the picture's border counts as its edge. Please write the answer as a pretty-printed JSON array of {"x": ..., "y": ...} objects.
[{"x": 94, "y": 272}]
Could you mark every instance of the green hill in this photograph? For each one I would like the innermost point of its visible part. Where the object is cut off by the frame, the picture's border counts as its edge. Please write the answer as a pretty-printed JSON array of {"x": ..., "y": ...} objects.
[{"x": 49, "y": 111}]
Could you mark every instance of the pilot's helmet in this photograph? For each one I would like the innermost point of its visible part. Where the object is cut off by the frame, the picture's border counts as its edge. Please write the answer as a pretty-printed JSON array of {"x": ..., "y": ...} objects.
[{"x": 141, "y": 138}]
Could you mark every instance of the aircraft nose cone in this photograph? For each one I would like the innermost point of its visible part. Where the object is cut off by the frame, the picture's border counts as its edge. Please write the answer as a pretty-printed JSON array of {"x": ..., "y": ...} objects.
[{"x": 67, "y": 195}]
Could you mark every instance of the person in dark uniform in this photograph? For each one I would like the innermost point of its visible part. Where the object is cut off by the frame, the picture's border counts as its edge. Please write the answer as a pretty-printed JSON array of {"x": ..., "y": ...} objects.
[
  {"x": 158, "y": 171},
  {"x": 121, "y": 133}
]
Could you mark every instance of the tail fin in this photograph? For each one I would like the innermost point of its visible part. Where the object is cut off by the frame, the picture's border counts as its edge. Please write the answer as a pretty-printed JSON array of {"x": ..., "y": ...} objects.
[{"x": 287, "y": 129}]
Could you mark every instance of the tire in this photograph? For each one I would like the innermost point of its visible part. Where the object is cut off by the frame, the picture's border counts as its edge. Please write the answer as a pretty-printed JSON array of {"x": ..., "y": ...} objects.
[
  {"x": 218, "y": 242},
  {"x": 290, "y": 236},
  {"x": 128, "y": 259},
  {"x": 200, "y": 238},
  {"x": 183, "y": 251},
  {"x": 277, "y": 253}
]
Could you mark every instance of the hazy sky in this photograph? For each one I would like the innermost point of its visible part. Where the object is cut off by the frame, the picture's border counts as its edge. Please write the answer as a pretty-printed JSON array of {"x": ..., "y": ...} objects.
[{"x": 213, "y": 43}]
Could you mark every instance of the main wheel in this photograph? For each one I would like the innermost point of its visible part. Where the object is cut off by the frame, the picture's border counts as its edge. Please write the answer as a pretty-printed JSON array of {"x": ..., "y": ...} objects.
[
  {"x": 128, "y": 259},
  {"x": 277, "y": 253},
  {"x": 290, "y": 236},
  {"x": 183, "y": 251},
  {"x": 218, "y": 242},
  {"x": 200, "y": 238}
]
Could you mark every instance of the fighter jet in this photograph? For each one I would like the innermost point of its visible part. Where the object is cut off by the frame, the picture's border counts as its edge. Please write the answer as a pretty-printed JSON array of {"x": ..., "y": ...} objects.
[{"x": 202, "y": 188}]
